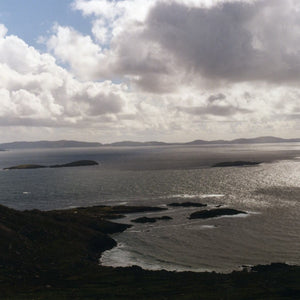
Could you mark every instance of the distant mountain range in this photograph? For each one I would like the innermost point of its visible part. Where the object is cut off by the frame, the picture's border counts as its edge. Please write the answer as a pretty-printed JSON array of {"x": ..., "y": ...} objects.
[
  {"x": 258, "y": 140},
  {"x": 136, "y": 144},
  {"x": 77, "y": 144},
  {"x": 48, "y": 144}
]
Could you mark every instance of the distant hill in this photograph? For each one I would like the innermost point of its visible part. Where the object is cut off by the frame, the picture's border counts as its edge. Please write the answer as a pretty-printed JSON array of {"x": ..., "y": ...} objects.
[
  {"x": 77, "y": 144},
  {"x": 135, "y": 144},
  {"x": 258, "y": 140},
  {"x": 48, "y": 144}
]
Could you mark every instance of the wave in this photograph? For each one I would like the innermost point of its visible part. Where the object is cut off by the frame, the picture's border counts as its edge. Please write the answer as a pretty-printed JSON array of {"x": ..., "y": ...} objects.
[
  {"x": 190, "y": 196},
  {"x": 120, "y": 257},
  {"x": 208, "y": 226}
]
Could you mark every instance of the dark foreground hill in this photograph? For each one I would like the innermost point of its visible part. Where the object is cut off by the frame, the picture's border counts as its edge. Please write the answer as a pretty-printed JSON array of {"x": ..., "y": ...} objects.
[{"x": 54, "y": 255}]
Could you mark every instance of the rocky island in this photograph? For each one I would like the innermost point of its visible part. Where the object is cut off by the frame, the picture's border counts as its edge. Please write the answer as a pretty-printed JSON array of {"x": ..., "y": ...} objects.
[
  {"x": 25, "y": 166},
  {"x": 235, "y": 164},
  {"x": 213, "y": 213},
  {"x": 187, "y": 204},
  {"x": 151, "y": 220},
  {"x": 79, "y": 163}
]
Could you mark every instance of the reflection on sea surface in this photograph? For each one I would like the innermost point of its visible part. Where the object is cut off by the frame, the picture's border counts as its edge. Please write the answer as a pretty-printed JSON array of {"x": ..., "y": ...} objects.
[{"x": 269, "y": 193}]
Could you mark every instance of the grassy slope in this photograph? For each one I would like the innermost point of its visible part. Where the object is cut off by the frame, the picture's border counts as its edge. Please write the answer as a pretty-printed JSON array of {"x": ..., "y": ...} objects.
[{"x": 54, "y": 255}]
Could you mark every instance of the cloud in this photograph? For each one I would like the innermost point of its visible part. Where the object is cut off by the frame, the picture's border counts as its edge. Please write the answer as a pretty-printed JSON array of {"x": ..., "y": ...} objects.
[
  {"x": 216, "y": 97},
  {"x": 84, "y": 57},
  {"x": 217, "y": 110},
  {"x": 161, "y": 69},
  {"x": 232, "y": 42},
  {"x": 216, "y": 105},
  {"x": 3, "y": 30},
  {"x": 236, "y": 41},
  {"x": 35, "y": 91}
]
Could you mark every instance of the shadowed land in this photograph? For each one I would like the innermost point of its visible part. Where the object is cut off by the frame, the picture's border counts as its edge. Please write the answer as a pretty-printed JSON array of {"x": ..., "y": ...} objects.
[{"x": 55, "y": 254}]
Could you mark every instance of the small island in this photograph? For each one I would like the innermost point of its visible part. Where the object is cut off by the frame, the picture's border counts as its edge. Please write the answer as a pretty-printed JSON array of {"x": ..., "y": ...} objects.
[
  {"x": 187, "y": 204},
  {"x": 238, "y": 163},
  {"x": 213, "y": 213},
  {"x": 151, "y": 220},
  {"x": 25, "y": 166},
  {"x": 79, "y": 163}
]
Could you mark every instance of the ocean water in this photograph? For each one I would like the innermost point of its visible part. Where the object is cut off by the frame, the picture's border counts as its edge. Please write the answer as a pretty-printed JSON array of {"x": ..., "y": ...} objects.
[{"x": 157, "y": 176}]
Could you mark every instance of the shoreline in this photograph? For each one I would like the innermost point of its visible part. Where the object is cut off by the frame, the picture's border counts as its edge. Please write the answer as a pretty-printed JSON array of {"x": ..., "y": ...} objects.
[{"x": 55, "y": 255}]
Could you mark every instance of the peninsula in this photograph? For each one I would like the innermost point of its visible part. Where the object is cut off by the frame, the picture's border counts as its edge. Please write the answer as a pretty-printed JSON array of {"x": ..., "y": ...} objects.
[{"x": 54, "y": 255}]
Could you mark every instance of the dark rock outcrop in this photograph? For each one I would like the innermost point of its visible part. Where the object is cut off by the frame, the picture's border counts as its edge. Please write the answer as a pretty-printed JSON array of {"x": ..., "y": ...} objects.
[
  {"x": 187, "y": 204},
  {"x": 79, "y": 163},
  {"x": 151, "y": 220},
  {"x": 206, "y": 214},
  {"x": 235, "y": 164}
]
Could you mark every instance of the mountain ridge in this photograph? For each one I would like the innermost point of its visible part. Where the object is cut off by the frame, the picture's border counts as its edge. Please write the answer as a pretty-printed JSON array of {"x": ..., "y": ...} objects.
[
  {"x": 48, "y": 144},
  {"x": 77, "y": 144}
]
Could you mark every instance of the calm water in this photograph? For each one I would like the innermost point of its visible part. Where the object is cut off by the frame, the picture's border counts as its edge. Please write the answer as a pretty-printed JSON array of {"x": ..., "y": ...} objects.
[{"x": 270, "y": 193}]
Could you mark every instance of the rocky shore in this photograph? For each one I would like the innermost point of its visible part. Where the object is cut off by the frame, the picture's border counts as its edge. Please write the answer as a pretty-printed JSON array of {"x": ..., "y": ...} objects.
[{"x": 55, "y": 255}]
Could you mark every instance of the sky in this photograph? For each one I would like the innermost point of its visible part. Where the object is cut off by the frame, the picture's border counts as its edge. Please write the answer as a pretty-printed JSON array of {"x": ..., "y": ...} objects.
[{"x": 165, "y": 70}]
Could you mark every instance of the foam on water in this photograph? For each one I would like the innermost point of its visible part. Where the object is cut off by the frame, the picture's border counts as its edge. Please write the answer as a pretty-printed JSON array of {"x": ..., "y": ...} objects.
[
  {"x": 191, "y": 196},
  {"x": 232, "y": 216},
  {"x": 119, "y": 257}
]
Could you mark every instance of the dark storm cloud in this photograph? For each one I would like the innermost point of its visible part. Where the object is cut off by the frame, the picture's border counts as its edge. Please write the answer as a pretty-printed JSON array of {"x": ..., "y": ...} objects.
[
  {"x": 97, "y": 104},
  {"x": 105, "y": 104},
  {"x": 216, "y": 110},
  {"x": 235, "y": 41},
  {"x": 216, "y": 97}
]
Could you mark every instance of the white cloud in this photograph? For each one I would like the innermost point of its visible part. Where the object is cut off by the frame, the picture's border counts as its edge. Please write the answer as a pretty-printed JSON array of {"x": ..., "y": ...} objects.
[
  {"x": 80, "y": 52},
  {"x": 35, "y": 90},
  {"x": 3, "y": 30},
  {"x": 160, "y": 45},
  {"x": 161, "y": 69}
]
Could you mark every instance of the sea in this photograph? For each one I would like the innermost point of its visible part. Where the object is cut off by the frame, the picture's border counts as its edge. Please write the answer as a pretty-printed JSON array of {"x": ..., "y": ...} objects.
[{"x": 157, "y": 176}]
